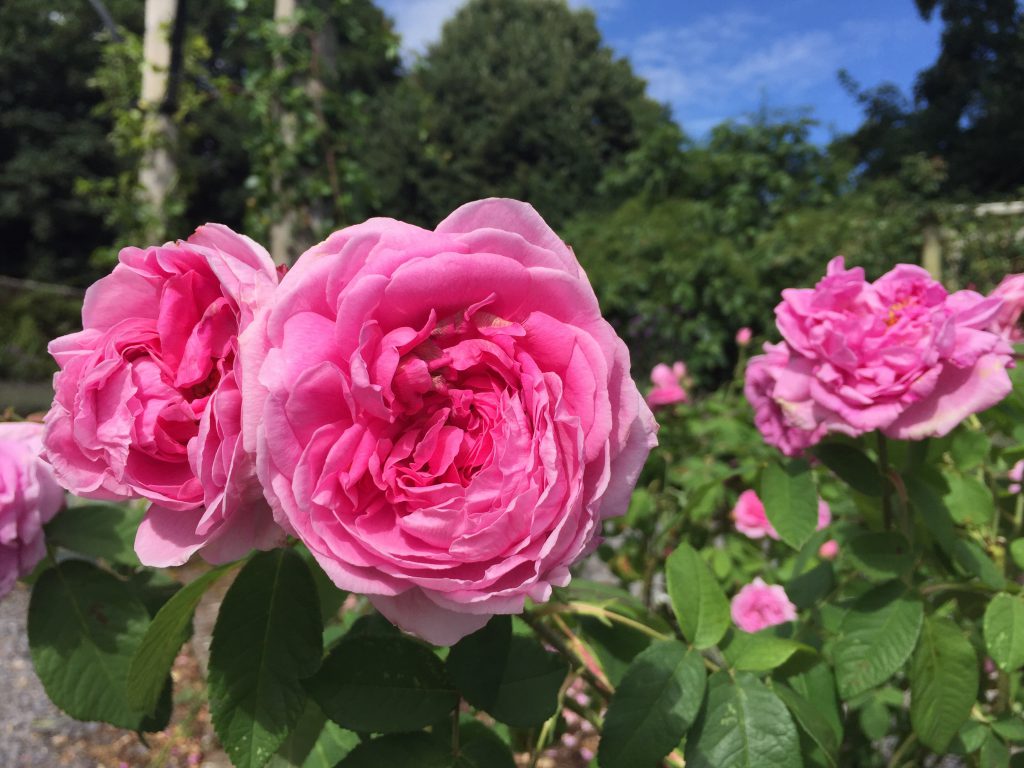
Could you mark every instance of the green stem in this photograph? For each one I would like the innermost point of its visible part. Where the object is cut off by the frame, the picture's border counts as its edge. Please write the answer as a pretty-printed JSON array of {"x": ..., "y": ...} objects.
[
  {"x": 553, "y": 639},
  {"x": 883, "y": 467},
  {"x": 901, "y": 750}
]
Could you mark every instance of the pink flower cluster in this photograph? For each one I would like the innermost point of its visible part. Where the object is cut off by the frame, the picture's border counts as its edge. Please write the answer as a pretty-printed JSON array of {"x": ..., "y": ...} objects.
[
  {"x": 29, "y": 498},
  {"x": 899, "y": 355},
  {"x": 442, "y": 417}
]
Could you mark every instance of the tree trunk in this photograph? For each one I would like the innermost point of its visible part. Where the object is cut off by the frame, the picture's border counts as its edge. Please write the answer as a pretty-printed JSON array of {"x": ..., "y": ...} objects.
[
  {"x": 282, "y": 231},
  {"x": 157, "y": 171}
]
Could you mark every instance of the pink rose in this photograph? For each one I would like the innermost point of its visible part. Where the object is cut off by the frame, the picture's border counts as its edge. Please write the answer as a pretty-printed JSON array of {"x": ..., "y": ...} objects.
[
  {"x": 758, "y": 605},
  {"x": 668, "y": 388},
  {"x": 29, "y": 497},
  {"x": 752, "y": 522},
  {"x": 743, "y": 336},
  {"x": 828, "y": 550},
  {"x": 446, "y": 418},
  {"x": 898, "y": 355},
  {"x": 148, "y": 403},
  {"x": 1007, "y": 320}
]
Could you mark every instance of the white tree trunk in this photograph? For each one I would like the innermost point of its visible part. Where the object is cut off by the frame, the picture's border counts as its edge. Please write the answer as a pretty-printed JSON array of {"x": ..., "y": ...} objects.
[
  {"x": 157, "y": 172},
  {"x": 282, "y": 231}
]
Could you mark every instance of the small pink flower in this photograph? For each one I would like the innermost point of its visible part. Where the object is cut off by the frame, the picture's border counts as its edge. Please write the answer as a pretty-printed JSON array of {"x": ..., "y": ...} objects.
[
  {"x": 1007, "y": 320},
  {"x": 1016, "y": 476},
  {"x": 587, "y": 754},
  {"x": 759, "y": 605},
  {"x": 752, "y": 522},
  {"x": 668, "y": 388},
  {"x": 743, "y": 336},
  {"x": 829, "y": 550}
]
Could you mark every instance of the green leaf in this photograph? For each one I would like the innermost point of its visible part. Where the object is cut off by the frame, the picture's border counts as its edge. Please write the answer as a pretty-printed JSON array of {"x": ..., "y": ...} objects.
[
  {"x": 1004, "y": 631},
  {"x": 969, "y": 449},
  {"x": 969, "y": 500},
  {"x": 169, "y": 629},
  {"x": 874, "y": 718},
  {"x": 480, "y": 747},
  {"x": 616, "y": 645},
  {"x": 98, "y": 530},
  {"x": 852, "y": 466},
  {"x": 84, "y": 626},
  {"x": 943, "y": 683},
  {"x": 315, "y": 742},
  {"x": 974, "y": 561},
  {"x": 1017, "y": 552},
  {"x": 994, "y": 754},
  {"x": 408, "y": 750},
  {"x": 811, "y": 586},
  {"x": 790, "y": 501},
  {"x": 969, "y": 738},
  {"x": 817, "y": 684},
  {"x": 761, "y": 651},
  {"x": 381, "y": 684},
  {"x": 1010, "y": 727},
  {"x": 653, "y": 707},
  {"x": 880, "y": 556},
  {"x": 510, "y": 677},
  {"x": 929, "y": 504},
  {"x": 266, "y": 639},
  {"x": 743, "y": 725},
  {"x": 876, "y": 637},
  {"x": 698, "y": 601},
  {"x": 809, "y": 717}
]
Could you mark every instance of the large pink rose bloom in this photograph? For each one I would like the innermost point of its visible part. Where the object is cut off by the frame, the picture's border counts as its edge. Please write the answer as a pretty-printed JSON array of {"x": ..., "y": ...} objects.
[
  {"x": 668, "y": 385},
  {"x": 29, "y": 497},
  {"x": 1007, "y": 321},
  {"x": 758, "y": 605},
  {"x": 898, "y": 355},
  {"x": 148, "y": 399},
  {"x": 446, "y": 418}
]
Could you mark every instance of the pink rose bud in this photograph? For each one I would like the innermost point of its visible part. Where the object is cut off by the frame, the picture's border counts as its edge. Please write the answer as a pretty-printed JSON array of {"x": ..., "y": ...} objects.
[
  {"x": 758, "y": 605},
  {"x": 29, "y": 498},
  {"x": 934, "y": 351},
  {"x": 752, "y": 522},
  {"x": 445, "y": 419},
  {"x": 148, "y": 402},
  {"x": 1007, "y": 321},
  {"x": 668, "y": 386},
  {"x": 743, "y": 336},
  {"x": 1016, "y": 476},
  {"x": 829, "y": 550}
]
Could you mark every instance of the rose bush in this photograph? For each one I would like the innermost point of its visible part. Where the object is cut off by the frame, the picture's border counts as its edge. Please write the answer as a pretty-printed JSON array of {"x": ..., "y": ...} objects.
[
  {"x": 444, "y": 417},
  {"x": 148, "y": 397},
  {"x": 898, "y": 355},
  {"x": 29, "y": 498}
]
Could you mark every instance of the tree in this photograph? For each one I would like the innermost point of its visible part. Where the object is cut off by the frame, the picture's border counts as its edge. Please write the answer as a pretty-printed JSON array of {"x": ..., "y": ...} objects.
[
  {"x": 49, "y": 137},
  {"x": 519, "y": 98}
]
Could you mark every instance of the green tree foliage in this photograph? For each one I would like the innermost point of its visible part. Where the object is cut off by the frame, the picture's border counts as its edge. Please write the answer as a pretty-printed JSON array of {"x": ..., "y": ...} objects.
[
  {"x": 519, "y": 98},
  {"x": 49, "y": 136},
  {"x": 966, "y": 104}
]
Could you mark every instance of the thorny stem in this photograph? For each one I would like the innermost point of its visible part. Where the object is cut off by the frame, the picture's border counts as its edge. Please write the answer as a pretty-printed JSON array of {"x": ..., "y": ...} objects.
[{"x": 550, "y": 637}]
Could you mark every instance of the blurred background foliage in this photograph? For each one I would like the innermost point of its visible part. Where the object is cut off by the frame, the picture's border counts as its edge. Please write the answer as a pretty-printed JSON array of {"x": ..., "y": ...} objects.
[{"x": 323, "y": 125}]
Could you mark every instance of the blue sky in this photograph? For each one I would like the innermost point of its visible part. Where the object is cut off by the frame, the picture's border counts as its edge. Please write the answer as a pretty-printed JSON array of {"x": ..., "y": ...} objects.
[{"x": 718, "y": 59}]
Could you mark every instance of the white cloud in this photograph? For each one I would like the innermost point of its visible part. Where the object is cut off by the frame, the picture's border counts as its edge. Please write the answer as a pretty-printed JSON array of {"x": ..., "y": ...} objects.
[{"x": 732, "y": 62}]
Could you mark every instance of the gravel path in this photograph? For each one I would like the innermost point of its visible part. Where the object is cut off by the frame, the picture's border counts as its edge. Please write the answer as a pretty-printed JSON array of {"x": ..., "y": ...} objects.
[{"x": 32, "y": 730}]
